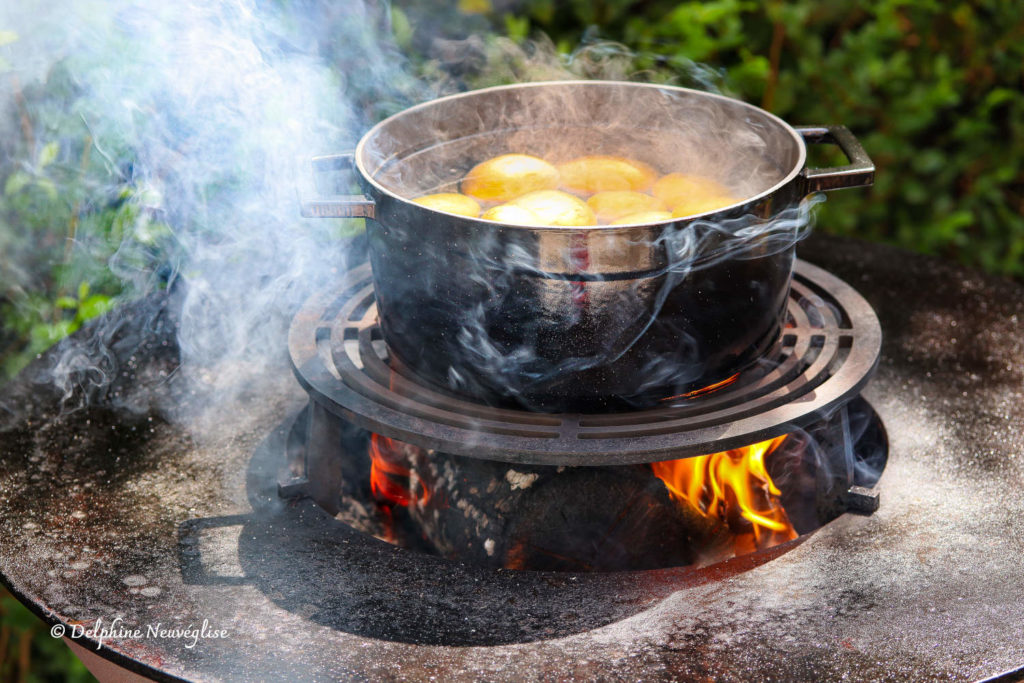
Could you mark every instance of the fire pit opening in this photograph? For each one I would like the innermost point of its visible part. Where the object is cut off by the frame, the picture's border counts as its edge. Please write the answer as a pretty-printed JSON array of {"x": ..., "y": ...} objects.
[{"x": 685, "y": 512}]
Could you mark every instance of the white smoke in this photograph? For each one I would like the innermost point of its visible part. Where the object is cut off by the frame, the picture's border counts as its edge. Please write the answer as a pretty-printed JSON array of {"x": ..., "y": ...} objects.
[{"x": 209, "y": 111}]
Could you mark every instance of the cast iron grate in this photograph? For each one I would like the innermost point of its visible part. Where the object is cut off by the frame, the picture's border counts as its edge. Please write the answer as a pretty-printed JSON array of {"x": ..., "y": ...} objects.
[{"x": 827, "y": 352}]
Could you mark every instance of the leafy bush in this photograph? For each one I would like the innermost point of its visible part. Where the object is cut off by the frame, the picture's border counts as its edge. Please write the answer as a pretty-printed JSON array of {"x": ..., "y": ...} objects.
[{"x": 75, "y": 228}]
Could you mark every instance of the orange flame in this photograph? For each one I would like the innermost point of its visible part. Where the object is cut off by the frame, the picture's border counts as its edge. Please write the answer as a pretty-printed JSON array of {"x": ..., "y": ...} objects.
[
  {"x": 391, "y": 477},
  {"x": 735, "y": 487}
]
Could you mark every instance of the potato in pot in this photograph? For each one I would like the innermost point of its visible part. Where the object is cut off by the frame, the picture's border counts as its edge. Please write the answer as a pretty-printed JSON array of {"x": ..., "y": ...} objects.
[
  {"x": 451, "y": 202},
  {"x": 512, "y": 214},
  {"x": 600, "y": 173},
  {"x": 609, "y": 206},
  {"x": 557, "y": 208},
  {"x": 508, "y": 176}
]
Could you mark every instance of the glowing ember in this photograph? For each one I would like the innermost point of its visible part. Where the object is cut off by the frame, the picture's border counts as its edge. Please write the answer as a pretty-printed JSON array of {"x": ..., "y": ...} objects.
[
  {"x": 705, "y": 390},
  {"x": 734, "y": 487},
  {"x": 391, "y": 477}
]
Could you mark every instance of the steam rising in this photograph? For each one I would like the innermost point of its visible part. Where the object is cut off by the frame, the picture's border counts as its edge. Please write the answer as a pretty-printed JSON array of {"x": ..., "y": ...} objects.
[{"x": 431, "y": 149}]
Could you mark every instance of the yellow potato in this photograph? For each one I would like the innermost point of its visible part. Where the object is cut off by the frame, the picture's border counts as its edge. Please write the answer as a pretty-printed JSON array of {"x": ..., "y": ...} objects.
[
  {"x": 701, "y": 204},
  {"x": 508, "y": 176},
  {"x": 512, "y": 214},
  {"x": 643, "y": 217},
  {"x": 609, "y": 206},
  {"x": 598, "y": 173},
  {"x": 451, "y": 202},
  {"x": 557, "y": 208},
  {"x": 676, "y": 188}
]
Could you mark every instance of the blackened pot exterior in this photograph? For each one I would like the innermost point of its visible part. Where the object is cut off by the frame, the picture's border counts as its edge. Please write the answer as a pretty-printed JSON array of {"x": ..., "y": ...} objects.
[{"x": 582, "y": 319}]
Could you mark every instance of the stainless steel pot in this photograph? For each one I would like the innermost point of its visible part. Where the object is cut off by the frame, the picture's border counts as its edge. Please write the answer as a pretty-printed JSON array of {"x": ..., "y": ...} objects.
[{"x": 594, "y": 318}]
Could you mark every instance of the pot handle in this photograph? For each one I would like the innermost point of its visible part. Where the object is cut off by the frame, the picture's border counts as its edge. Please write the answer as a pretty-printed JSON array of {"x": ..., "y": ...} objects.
[
  {"x": 860, "y": 172},
  {"x": 340, "y": 206}
]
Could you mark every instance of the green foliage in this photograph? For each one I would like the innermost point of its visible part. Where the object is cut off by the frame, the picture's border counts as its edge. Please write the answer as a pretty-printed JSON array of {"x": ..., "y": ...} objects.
[
  {"x": 28, "y": 653},
  {"x": 933, "y": 90},
  {"x": 72, "y": 221}
]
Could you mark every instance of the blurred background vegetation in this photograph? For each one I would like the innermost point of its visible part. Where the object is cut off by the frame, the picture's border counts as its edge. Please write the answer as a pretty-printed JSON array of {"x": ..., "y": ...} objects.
[
  {"x": 933, "y": 90},
  {"x": 28, "y": 653}
]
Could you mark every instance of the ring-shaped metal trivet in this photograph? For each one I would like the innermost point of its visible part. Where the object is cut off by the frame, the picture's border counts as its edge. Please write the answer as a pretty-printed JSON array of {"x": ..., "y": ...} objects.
[{"x": 828, "y": 351}]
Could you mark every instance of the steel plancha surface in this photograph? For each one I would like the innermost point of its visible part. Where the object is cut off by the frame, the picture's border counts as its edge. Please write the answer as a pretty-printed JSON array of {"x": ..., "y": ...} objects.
[{"x": 154, "y": 506}]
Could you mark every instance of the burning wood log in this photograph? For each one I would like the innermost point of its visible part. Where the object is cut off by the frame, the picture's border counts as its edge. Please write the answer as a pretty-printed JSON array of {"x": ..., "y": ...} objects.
[{"x": 556, "y": 518}]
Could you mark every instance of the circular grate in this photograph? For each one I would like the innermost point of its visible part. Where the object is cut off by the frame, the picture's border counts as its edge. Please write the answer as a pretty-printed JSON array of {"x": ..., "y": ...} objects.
[{"x": 828, "y": 350}]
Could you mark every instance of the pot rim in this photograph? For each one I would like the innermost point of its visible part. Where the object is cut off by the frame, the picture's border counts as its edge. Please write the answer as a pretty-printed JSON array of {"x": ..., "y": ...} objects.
[{"x": 792, "y": 175}]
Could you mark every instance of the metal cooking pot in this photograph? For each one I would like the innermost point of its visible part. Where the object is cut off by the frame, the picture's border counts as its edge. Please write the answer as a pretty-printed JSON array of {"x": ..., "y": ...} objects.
[{"x": 593, "y": 318}]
